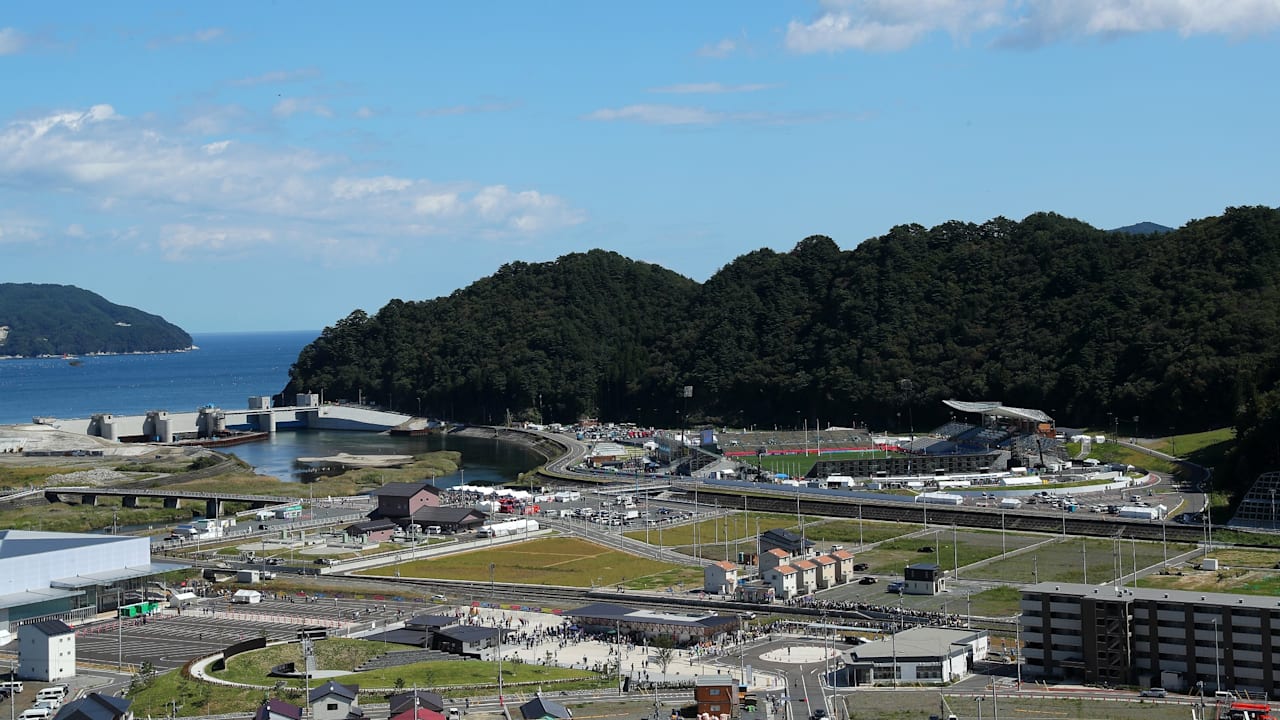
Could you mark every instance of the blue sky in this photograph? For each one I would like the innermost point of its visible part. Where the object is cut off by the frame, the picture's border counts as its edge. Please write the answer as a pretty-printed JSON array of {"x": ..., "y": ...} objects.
[{"x": 270, "y": 166}]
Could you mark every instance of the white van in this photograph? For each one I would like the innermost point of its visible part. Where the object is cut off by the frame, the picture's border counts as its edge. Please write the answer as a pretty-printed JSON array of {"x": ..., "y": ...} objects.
[
  {"x": 36, "y": 714},
  {"x": 53, "y": 692},
  {"x": 13, "y": 687}
]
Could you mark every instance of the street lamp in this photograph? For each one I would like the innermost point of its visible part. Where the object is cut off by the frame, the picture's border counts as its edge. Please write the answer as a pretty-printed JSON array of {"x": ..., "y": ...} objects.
[{"x": 491, "y": 567}]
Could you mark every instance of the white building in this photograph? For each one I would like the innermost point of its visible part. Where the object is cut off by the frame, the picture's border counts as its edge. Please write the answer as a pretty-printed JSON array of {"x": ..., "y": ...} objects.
[
  {"x": 46, "y": 651},
  {"x": 68, "y": 576},
  {"x": 919, "y": 655},
  {"x": 784, "y": 579},
  {"x": 720, "y": 578}
]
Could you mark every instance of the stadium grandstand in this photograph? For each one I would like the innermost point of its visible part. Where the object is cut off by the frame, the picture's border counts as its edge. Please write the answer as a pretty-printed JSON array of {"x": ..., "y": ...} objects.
[{"x": 1000, "y": 437}]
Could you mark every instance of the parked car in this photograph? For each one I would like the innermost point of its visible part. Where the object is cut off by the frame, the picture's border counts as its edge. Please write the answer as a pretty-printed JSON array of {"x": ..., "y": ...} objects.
[
  {"x": 861, "y": 567},
  {"x": 1155, "y": 692},
  {"x": 868, "y": 580},
  {"x": 925, "y": 548}
]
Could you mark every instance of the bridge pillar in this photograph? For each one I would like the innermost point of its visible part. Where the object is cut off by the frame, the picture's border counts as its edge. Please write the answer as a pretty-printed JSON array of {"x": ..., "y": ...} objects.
[
  {"x": 172, "y": 503},
  {"x": 212, "y": 508},
  {"x": 265, "y": 421},
  {"x": 87, "y": 499},
  {"x": 129, "y": 501},
  {"x": 258, "y": 505}
]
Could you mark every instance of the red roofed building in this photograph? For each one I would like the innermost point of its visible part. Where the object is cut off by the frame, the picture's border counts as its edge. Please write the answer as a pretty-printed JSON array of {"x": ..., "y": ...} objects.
[
  {"x": 720, "y": 578},
  {"x": 807, "y": 582},
  {"x": 770, "y": 559},
  {"x": 844, "y": 566},
  {"x": 826, "y": 571},
  {"x": 784, "y": 579}
]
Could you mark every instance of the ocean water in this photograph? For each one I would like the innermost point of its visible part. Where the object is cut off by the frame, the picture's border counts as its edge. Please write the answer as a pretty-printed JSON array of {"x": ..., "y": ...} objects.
[{"x": 226, "y": 370}]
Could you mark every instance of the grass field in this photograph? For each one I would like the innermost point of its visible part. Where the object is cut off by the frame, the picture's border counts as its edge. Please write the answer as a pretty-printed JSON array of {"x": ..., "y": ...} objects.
[
  {"x": 1063, "y": 561},
  {"x": 974, "y": 545},
  {"x": 1231, "y": 579},
  {"x": 800, "y": 465},
  {"x": 996, "y": 602},
  {"x": 550, "y": 561},
  {"x": 735, "y": 526},
  {"x": 854, "y": 532}
]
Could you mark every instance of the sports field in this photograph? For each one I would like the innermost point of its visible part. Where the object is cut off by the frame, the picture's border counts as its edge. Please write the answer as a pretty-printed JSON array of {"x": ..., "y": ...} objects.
[
  {"x": 551, "y": 561},
  {"x": 1063, "y": 561}
]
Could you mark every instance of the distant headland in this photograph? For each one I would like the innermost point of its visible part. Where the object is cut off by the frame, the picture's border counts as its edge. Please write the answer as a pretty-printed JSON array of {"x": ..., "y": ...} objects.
[{"x": 63, "y": 320}]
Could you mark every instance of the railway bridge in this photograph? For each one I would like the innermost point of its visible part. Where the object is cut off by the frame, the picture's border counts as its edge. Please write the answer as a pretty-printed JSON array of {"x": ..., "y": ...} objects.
[{"x": 213, "y": 501}]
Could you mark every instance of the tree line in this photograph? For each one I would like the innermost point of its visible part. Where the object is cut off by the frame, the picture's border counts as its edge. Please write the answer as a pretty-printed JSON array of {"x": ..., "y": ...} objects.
[{"x": 1146, "y": 333}]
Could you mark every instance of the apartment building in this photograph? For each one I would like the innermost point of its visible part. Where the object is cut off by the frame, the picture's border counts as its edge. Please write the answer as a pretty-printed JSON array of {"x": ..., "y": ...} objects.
[{"x": 1143, "y": 636}]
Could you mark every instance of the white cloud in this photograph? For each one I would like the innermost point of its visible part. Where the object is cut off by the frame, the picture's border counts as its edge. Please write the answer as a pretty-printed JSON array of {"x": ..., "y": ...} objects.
[
  {"x": 685, "y": 115},
  {"x": 710, "y": 88},
  {"x": 138, "y": 172},
  {"x": 290, "y": 106},
  {"x": 182, "y": 242},
  {"x": 659, "y": 115},
  {"x": 365, "y": 113},
  {"x": 75, "y": 230},
  {"x": 890, "y": 25},
  {"x": 356, "y": 188},
  {"x": 276, "y": 77},
  {"x": 1045, "y": 21},
  {"x": 215, "y": 148},
  {"x": 439, "y": 204},
  {"x": 721, "y": 49},
  {"x": 12, "y": 42},
  {"x": 486, "y": 107},
  {"x": 204, "y": 35}
]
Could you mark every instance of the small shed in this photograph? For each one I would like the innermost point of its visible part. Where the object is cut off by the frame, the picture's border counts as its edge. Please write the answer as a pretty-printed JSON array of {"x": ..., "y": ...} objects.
[{"x": 274, "y": 709}]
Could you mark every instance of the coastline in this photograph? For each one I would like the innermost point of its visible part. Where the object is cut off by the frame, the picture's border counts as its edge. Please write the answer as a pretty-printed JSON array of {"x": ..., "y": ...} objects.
[{"x": 60, "y": 356}]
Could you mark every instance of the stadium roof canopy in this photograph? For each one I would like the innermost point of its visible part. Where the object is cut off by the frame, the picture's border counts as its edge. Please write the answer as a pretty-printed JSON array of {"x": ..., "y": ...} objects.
[{"x": 993, "y": 407}]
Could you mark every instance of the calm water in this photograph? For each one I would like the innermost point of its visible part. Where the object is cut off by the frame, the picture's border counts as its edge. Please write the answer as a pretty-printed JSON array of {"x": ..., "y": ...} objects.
[{"x": 225, "y": 371}]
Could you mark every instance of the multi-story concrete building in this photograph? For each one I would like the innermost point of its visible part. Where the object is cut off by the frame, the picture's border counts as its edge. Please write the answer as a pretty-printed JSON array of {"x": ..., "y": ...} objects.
[{"x": 1174, "y": 639}]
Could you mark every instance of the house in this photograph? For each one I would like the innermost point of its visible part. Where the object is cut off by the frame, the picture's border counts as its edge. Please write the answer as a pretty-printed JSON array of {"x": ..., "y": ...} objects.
[
  {"x": 335, "y": 701},
  {"x": 46, "y": 651},
  {"x": 448, "y": 519},
  {"x": 715, "y": 695},
  {"x": 807, "y": 580},
  {"x": 475, "y": 641},
  {"x": 371, "y": 531},
  {"x": 541, "y": 708},
  {"x": 826, "y": 574},
  {"x": 770, "y": 559},
  {"x": 96, "y": 706},
  {"x": 274, "y": 709},
  {"x": 418, "y": 714},
  {"x": 919, "y": 655},
  {"x": 408, "y": 700},
  {"x": 784, "y": 579},
  {"x": 402, "y": 499},
  {"x": 844, "y": 566},
  {"x": 780, "y": 539},
  {"x": 924, "y": 579},
  {"x": 720, "y": 578}
]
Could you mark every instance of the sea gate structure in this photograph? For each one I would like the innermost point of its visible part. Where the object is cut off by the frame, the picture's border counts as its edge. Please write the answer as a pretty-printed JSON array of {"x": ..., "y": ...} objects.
[{"x": 307, "y": 413}]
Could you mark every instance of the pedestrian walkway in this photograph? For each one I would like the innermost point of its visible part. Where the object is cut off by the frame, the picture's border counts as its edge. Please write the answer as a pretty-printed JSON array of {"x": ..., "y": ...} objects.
[{"x": 800, "y": 654}]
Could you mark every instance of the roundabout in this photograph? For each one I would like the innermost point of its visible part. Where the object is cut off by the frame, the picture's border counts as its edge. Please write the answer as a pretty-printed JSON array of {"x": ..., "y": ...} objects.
[{"x": 799, "y": 654}]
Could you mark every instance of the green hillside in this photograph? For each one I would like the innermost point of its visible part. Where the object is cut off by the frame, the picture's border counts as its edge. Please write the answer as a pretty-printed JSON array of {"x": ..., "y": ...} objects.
[
  {"x": 1178, "y": 330},
  {"x": 62, "y": 319}
]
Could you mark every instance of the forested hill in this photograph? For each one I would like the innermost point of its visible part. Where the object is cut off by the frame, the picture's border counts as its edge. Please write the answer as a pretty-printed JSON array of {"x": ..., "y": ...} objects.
[
  {"x": 62, "y": 319},
  {"x": 1177, "y": 329}
]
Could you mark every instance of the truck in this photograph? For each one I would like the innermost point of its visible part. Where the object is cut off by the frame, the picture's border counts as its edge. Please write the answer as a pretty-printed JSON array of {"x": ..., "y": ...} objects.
[
  {"x": 630, "y": 515},
  {"x": 203, "y": 529}
]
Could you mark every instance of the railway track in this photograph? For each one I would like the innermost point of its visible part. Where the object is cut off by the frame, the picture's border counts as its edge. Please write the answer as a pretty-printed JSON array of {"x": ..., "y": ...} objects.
[{"x": 983, "y": 518}]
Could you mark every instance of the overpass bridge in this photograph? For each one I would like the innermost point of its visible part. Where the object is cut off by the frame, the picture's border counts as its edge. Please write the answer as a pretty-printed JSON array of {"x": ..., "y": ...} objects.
[
  {"x": 171, "y": 498},
  {"x": 162, "y": 426}
]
